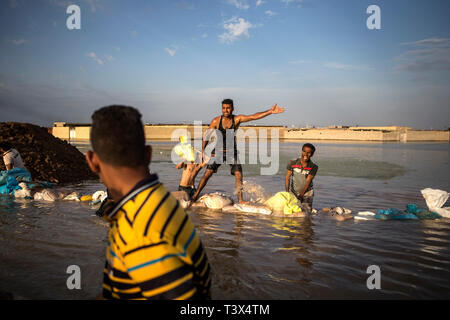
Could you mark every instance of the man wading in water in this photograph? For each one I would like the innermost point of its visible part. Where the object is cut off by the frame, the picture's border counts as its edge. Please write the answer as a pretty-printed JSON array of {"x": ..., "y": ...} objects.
[{"x": 229, "y": 121}]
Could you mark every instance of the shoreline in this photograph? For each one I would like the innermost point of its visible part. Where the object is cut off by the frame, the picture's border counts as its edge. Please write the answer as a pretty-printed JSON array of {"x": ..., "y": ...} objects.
[{"x": 161, "y": 132}]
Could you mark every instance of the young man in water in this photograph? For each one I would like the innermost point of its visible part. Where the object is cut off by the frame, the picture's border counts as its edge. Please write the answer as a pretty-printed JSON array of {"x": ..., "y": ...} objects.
[
  {"x": 228, "y": 121},
  {"x": 190, "y": 172},
  {"x": 154, "y": 251},
  {"x": 300, "y": 174}
]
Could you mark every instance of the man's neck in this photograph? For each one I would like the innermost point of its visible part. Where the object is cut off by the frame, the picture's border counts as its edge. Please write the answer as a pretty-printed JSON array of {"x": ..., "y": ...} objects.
[{"x": 123, "y": 180}]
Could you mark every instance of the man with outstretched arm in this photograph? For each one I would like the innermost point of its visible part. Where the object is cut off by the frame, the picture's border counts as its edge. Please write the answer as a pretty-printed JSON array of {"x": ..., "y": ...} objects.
[{"x": 229, "y": 121}]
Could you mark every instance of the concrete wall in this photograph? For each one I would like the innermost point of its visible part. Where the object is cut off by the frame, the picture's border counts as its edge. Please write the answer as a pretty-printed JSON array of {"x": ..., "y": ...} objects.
[
  {"x": 61, "y": 132},
  {"x": 334, "y": 134},
  {"x": 424, "y": 135},
  {"x": 82, "y": 133},
  {"x": 165, "y": 132}
]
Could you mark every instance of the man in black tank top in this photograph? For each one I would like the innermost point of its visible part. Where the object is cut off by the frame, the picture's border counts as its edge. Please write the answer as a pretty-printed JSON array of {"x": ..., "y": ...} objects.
[{"x": 228, "y": 121}]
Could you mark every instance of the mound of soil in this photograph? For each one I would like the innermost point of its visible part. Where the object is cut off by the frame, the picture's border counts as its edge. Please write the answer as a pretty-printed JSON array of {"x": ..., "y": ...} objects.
[{"x": 45, "y": 156}]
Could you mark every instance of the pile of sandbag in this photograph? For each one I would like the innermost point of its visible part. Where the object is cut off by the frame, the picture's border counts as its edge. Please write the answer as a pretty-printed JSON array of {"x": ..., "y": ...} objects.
[{"x": 46, "y": 157}]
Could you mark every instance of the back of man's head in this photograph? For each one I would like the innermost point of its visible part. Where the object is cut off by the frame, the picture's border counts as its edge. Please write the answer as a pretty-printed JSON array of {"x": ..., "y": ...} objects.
[{"x": 117, "y": 136}]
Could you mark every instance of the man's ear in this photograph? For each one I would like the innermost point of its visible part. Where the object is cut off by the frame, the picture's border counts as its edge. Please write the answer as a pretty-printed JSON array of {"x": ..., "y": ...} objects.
[
  {"x": 92, "y": 161},
  {"x": 148, "y": 155}
]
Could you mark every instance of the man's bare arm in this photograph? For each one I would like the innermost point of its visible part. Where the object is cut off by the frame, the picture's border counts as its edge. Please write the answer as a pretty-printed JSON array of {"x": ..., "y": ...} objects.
[
  {"x": 287, "y": 179},
  {"x": 9, "y": 166},
  {"x": 259, "y": 115}
]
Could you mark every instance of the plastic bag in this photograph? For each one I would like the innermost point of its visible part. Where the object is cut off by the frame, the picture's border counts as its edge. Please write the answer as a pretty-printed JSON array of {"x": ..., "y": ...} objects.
[
  {"x": 24, "y": 192},
  {"x": 285, "y": 202},
  {"x": 435, "y": 199},
  {"x": 45, "y": 195},
  {"x": 253, "y": 208},
  {"x": 99, "y": 196}
]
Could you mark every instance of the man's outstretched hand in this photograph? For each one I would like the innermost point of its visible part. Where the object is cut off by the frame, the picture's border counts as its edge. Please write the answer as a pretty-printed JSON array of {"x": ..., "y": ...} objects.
[{"x": 276, "y": 109}]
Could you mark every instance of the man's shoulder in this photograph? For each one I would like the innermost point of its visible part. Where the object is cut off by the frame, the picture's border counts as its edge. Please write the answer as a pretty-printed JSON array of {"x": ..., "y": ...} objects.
[
  {"x": 313, "y": 165},
  {"x": 294, "y": 161},
  {"x": 215, "y": 121}
]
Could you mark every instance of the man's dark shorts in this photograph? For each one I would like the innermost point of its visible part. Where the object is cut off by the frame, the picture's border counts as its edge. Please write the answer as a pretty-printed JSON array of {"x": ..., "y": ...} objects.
[
  {"x": 189, "y": 190},
  {"x": 235, "y": 166}
]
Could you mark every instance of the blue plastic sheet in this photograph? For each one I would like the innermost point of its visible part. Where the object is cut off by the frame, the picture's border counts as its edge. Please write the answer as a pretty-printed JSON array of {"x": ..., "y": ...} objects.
[{"x": 412, "y": 212}]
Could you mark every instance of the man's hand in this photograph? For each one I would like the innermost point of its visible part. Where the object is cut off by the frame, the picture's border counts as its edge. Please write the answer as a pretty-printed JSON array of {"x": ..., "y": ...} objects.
[
  {"x": 276, "y": 109},
  {"x": 180, "y": 165}
]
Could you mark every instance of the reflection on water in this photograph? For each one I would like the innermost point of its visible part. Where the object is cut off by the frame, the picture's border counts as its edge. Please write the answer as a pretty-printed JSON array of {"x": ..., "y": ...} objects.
[{"x": 254, "y": 256}]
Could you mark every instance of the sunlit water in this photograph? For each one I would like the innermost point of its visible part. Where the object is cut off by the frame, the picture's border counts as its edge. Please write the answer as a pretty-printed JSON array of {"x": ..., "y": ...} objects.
[{"x": 261, "y": 257}]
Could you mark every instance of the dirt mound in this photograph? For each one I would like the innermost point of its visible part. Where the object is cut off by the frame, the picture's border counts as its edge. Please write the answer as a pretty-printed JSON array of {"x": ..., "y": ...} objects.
[{"x": 45, "y": 156}]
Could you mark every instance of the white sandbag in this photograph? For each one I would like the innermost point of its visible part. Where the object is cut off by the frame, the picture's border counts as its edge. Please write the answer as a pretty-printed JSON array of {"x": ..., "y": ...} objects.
[
  {"x": 360, "y": 218},
  {"x": 229, "y": 209},
  {"x": 366, "y": 213},
  {"x": 24, "y": 192},
  {"x": 74, "y": 196},
  {"x": 99, "y": 196},
  {"x": 435, "y": 199},
  {"x": 45, "y": 195},
  {"x": 253, "y": 208},
  {"x": 215, "y": 201}
]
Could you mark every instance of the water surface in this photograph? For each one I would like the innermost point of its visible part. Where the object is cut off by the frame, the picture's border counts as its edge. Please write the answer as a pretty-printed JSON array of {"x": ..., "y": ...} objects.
[{"x": 261, "y": 257}]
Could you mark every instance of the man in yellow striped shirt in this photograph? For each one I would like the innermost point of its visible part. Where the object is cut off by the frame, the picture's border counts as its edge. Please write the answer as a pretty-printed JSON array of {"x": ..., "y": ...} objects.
[{"x": 154, "y": 250}]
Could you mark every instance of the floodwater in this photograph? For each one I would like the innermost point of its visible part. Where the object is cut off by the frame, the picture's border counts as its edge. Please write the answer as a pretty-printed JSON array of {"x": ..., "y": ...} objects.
[{"x": 261, "y": 257}]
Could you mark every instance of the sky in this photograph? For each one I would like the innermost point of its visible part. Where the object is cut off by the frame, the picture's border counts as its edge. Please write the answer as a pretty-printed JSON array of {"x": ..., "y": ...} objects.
[{"x": 177, "y": 60}]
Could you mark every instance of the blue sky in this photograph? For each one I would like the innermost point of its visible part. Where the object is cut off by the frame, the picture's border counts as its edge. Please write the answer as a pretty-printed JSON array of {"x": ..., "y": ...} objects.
[{"x": 176, "y": 60}]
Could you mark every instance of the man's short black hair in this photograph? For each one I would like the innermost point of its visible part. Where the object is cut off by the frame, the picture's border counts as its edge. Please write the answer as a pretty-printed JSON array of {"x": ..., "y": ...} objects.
[
  {"x": 117, "y": 136},
  {"x": 309, "y": 145},
  {"x": 228, "y": 101},
  {"x": 5, "y": 146}
]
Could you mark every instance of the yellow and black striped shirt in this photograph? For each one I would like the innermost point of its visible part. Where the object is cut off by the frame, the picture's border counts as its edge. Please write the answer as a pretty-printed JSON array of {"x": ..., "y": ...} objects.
[{"x": 154, "y": 251}]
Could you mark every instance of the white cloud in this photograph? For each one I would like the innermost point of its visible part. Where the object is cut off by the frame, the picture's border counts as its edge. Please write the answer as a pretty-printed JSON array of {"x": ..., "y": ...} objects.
[
  {"x": 235, "y": 28},
  {"x": 171, "y": 51},
  {"x": 270, "y": 13},
  {"x": 117, "y": 48},
  {"x": 109, "y": 57},
  {"x": 204, "y": 35},
  {"x": 83, "y": 69},
  {"x": 18, "y": 42},
  {"x": 94, "y": 57},
  {"x": 239, "y": 4},
  {"x": 298, "y": 2},
  {"x": 341, "y": 66},
  {"x": 427, "y": 55},
  {"x": 259, "y": 2}
]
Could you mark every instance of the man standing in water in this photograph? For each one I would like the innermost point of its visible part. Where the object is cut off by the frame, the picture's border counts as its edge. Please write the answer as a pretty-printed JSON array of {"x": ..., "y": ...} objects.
[
  {"x": 154, "y": 250},
  {"x": 229, "y": 121},
  {"x": 299, "y": 176}
]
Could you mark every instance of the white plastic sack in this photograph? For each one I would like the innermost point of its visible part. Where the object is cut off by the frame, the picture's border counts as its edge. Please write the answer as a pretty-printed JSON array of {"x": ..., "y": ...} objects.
[
  {"x": 24, "y": 192},
  {"x": 45, "y": 195},
  {"x": 366, "y": 213},
  {"x": 99, "y": 196},
  {"x": 253, "y": 208},
  {"x": 435, "y": 199},
  {"x": 74, "y": 196}
]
